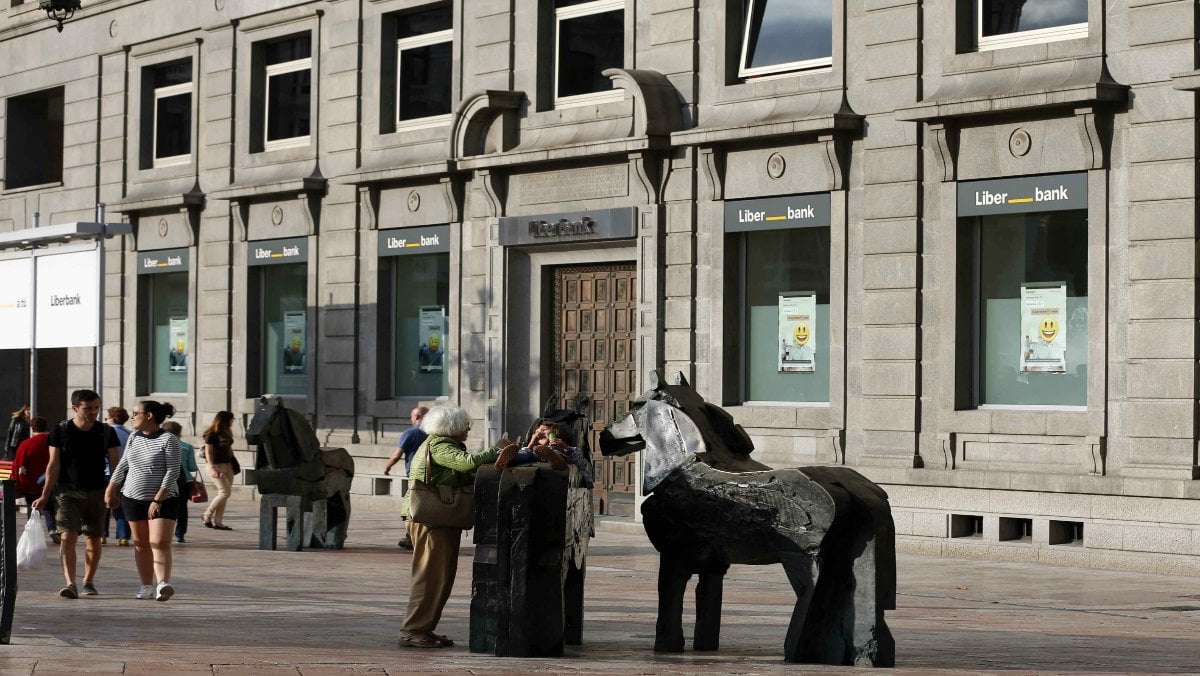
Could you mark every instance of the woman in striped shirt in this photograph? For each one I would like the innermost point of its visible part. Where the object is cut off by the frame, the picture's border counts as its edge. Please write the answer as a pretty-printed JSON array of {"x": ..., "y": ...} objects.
[{"x": 147, "y": 478}]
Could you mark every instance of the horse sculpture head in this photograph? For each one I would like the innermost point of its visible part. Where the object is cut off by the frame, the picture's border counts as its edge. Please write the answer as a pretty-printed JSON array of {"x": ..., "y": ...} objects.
[
  {"x": 674, "y": 425},
  {"x": 283, "y": 436}
]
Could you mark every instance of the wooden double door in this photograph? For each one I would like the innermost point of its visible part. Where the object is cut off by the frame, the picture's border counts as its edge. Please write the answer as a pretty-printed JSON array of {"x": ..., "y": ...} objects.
[{"x": 595, "y": 341}]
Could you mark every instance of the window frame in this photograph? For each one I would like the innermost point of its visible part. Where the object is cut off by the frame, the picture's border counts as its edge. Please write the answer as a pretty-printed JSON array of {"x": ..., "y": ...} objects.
[
  {"x": 987, "y": 43},
  {"x": 162, "y": 93},
  {"x": 416, "y": 41},
  {"x": 764, "y": 72},
  {"x": 568, "y": 13},
  {"x": 275, "y": 70}
]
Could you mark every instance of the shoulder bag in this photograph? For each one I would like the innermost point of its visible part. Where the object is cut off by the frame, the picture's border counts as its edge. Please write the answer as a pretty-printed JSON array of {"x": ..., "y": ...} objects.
[
  {"x": 437, "y": 506},
  {"x": 234, "y": 465}
]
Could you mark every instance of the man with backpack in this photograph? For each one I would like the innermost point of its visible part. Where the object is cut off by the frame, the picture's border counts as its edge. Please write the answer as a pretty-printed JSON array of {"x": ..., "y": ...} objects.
[{"x": 79, "y": 448}]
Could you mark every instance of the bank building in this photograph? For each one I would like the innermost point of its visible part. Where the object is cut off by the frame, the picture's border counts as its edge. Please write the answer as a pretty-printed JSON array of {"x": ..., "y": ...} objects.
[{"x": 949, "y": 244}]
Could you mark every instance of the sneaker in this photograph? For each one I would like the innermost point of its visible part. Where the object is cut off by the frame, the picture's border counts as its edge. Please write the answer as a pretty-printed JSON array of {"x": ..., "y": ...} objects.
[
  {"x": 89, "y": 589},
  {"x": 69, "y": 592},
  {"x": 146, "y": 591},
  {"x": 56, "y": 538},
  {"x": 103, "y": 540},
  {"x": 445, "y": 642},
  {"x": 419, "y": 641},
  {"x": 164, "y": 592},
  {"x": 122, "y": 542},
  {"x": 180, "y": 540},
  {"x": 405, "y": 544}
]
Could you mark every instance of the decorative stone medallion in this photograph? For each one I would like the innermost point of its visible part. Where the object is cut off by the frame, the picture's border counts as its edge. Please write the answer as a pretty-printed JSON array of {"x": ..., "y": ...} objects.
[
  {"x": 112, "y": 29},
  {"x": 1019, "y": 143},
  {"x": 776, "y": 165},
  {"x": 277, "y": 215},
  {"x": 414, "y": 200},
  {"x": 219, "y": 4},
  {"x": 163, "y": 227}
]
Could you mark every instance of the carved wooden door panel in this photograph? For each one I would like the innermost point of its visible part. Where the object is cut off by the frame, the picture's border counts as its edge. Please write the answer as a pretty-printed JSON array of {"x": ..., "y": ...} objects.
[{"x": 595, "y": 335}]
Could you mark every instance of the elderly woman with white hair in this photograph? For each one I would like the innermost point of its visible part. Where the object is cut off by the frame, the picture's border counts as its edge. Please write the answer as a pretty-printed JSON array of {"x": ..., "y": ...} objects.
[{"x": 435, "y": 550}]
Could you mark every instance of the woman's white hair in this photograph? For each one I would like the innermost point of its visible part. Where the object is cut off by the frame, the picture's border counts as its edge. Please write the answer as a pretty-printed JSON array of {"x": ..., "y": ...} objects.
[{"x": 446, "y": 421}]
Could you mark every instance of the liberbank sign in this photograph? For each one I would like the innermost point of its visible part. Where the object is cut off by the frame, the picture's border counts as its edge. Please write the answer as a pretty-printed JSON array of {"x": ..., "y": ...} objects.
[
  {"x": 778, "y": 213},
  {"x": 1026, "y": 194},
  {"x": 63, "y": 288}
]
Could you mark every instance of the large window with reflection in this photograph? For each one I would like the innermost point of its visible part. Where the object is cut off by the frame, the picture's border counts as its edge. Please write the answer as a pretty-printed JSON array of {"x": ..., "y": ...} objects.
[
  {"x": 424, "y": 61},
  {"x": 413, "y": 339},
  {"x": 589, "y": 37},
  {"x": 278, "y": 358},
  {"x": 286, "y": 91},
  {"x": 1009, "y": 23},
  {"x": 167, "y": 114},
  {"x": 164, "y": 341},
  {"x": 785, "y": 35}
]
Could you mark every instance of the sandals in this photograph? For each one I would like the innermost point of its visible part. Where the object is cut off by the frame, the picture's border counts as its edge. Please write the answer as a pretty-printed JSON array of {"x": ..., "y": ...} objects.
[
  {"x": 221, "y": 526},
  {"x": 208, "y": 524}
]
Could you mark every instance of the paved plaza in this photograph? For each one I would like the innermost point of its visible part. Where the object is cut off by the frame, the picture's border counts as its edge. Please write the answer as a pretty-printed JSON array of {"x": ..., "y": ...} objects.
[{"x": 241, "y": 610}]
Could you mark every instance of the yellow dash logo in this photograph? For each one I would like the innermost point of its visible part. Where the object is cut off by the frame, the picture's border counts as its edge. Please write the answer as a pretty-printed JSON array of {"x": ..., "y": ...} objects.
[
  {"x": 776, "y": 218},
  {"x": 1020, "y": 200}
]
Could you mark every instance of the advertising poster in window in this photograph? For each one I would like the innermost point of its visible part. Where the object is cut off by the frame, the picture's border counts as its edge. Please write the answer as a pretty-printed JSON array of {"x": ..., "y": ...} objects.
[
  {"x": 177, "y": 343},
  {"x": 294, "y": 348},
  {"x": 797, "y": 332},
  {"x": 432, "y": 323},
  {"x": 1043, "y": 328}
]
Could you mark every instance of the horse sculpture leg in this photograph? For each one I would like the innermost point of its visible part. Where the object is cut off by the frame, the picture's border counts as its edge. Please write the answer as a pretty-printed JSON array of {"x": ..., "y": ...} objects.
[
  {"x": 802, "y": 572},
  {"x": 708, "y": 611},
  {"x": 672, "y": 583}
]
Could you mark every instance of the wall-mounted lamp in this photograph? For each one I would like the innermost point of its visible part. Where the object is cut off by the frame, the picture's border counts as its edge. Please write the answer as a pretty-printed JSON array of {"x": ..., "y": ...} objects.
[{"x": 60, "y": 10}]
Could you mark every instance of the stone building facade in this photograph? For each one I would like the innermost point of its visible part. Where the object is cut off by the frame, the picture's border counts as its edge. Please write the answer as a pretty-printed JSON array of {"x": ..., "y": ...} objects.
[{"x": 952, "y": 245}]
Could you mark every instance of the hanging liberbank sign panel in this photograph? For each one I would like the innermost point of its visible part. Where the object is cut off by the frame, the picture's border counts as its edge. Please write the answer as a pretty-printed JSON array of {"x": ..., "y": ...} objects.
[
  {"x": 573, "y": 227},
  {"x": 1057, "y": 192},
  {"x": 278, "y": 251},
  {"x": 778, "y": 213},
  {"x": 65, "y": 292},
  {"x": 161, "y": 261}
]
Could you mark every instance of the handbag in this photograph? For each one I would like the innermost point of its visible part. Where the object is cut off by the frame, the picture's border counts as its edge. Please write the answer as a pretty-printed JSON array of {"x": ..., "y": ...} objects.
[
  {"x": 234, "y": 464},
  {"x": 199, "y": 492},
  {"x": 436, "y": 506}
]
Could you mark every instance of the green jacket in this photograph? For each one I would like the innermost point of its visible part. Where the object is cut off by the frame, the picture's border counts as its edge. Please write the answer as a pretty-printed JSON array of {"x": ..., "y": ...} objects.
[{"x": 452, "y": 464}]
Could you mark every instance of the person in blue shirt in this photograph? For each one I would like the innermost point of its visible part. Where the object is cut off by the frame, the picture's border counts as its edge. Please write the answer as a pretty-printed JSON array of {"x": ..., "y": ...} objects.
[
  {"x": 410, "y": 441},
  {"x": 116, "y": 417}
]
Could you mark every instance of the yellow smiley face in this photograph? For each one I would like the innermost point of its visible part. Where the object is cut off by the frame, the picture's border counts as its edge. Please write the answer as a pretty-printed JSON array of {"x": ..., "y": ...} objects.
[
  {"x": 1048, "y": 329},
  {"x": 800, "y": 335}
]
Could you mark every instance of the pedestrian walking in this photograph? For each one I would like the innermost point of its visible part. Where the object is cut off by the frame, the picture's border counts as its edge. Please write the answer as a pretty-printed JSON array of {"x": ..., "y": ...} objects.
[
  {"x": 79, "y": 448},
  {"x": 29, "y": 469},
  {"x": 409, "y": 442},
  {"x": 116, "y": 417},
  {"x": 218, "y": 455},
  {"x": 18, "y": 431},
  {"x": 189, "y": 475},
  {"x": 145, "y": 484}
]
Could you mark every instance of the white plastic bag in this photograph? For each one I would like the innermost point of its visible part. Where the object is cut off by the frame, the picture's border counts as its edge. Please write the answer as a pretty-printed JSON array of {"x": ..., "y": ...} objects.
[{"x": 31, "y": 548}]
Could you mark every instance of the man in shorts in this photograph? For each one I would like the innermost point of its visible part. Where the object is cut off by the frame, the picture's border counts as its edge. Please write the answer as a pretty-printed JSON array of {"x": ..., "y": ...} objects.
[{"x": 79, "y": 448}]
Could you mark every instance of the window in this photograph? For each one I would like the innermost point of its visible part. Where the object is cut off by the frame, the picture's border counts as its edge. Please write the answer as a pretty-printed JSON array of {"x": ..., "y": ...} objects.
[
  {"x": 786, "y": 35},
  {"x": 1007, "y": 23},
  {"x": 277, "y": 354},
  {"x": 169, "y": 104},
  {"x": 34, "y": 139},
  {"x": 424, "y": 57},
  {"x": 589, "y": 37},
  {"x": 287, "y": 113},
  {"x": 414, "y": 294},
  {"x": 164, "y": 343},
  {"x": 1024, "y": 270},
  {"x": 777, "y": 257}
]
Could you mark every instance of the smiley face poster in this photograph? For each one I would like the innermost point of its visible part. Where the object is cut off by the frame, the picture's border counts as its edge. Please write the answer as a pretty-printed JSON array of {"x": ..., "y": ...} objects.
[
  {"x": 797, "y": 332},
  {"x": 1044, "y": 328}
]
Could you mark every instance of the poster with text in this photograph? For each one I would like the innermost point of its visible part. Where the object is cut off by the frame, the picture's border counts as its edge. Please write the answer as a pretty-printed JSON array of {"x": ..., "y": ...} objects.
[
  {"x": 1044, "y": 328},
  {"x": 432, "y": 327},
  {"x": 68, "y": 299},
  {"x": 294, "y": 348},
  {"x": 177, "y": 347},
  {"x": 797, "y": 333},
  {"x": 16, "y": 303}
]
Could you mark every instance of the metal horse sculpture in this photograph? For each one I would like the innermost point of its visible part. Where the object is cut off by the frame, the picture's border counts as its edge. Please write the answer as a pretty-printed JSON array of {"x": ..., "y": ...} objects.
[
  {"x": 291, "y": 470},
  {"x": 709, "y": 505}
]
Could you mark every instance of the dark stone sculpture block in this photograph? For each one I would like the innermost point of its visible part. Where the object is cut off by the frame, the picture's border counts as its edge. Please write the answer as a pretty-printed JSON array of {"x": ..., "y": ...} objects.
[
  {"x": 709, "y": 506},
  {"x": 289, "y": 461},
  {"x": 532, "y": 527}
]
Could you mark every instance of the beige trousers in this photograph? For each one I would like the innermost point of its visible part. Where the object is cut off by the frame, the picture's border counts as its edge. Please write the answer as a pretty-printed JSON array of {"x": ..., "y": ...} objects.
[
  {"x": 216, "y": 506},
  {"x": 435, "y": 561}
]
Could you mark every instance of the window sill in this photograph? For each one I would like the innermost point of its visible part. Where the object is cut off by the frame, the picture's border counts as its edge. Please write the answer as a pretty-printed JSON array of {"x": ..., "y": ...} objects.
[
  {"x": 594, "y": 98},
  {"x": 423, "y": 123},
  {"x": 32, "y": 188},
  {"x": 1032, "y": 407}
]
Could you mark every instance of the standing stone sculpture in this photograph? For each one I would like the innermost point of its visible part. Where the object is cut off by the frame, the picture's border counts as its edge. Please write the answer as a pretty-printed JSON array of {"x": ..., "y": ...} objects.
[
  {"x": 532, "y": 528},
  {"x": 709, "y": 505},
  {"x": 294, "y": 472}
]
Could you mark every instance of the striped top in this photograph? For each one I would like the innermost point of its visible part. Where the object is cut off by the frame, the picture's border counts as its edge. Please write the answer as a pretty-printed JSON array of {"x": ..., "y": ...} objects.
[{"x": 150, "y": 463}]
